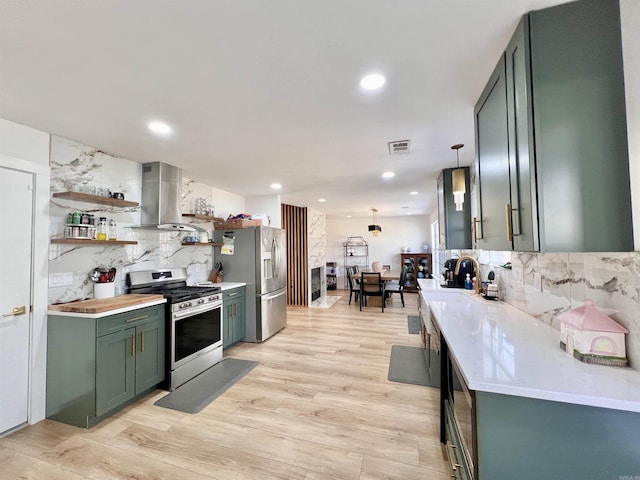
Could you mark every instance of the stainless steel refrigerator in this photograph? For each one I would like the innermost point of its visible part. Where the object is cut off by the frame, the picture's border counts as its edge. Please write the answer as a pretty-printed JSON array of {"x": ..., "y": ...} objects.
[{"x": 259, "y": 259}]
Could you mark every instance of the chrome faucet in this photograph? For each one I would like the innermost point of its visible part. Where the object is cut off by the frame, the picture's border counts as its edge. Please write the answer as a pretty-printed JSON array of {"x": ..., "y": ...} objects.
[{"x": 476, "y": 267}]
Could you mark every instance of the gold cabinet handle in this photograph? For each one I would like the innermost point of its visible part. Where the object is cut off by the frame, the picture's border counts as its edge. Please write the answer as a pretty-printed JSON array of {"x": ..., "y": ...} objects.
[
  {"x": 142, "y": 342},
  {"x": 16, "y": 311},
  {"x": 135, "y": 319},
  {"x": 509, "y": 223},
  {"x": 452, "y": 462},
  {"x": 133, "y": 345},
  {"x": 475, "y": 229}
]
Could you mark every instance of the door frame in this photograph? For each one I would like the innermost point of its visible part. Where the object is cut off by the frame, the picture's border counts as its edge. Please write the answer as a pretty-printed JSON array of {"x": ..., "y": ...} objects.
[{"x": 39, "y": 283}]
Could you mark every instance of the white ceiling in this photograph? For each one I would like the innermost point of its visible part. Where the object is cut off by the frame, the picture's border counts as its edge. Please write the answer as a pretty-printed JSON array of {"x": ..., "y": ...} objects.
[{"x": 263, "y": 91}]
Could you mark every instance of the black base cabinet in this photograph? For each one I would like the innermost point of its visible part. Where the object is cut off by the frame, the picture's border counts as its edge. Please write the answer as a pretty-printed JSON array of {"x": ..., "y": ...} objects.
[{"x": 551, "y": 136}]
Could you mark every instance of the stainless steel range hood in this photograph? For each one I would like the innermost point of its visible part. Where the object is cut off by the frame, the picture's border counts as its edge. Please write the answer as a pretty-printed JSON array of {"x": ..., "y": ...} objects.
[{"x": 161, "y": 198}]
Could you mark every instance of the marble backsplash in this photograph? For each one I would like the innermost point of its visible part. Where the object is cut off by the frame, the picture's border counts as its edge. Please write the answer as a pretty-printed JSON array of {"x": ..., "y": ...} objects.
[
  {"x": 317, "y": 246},
  {"x": 547, "y": 284},
  {"x": 81, "y": 168}
]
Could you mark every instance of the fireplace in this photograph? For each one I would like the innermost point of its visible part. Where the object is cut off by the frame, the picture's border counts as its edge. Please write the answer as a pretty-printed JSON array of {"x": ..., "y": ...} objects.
[{"x": 316, "y": 283}]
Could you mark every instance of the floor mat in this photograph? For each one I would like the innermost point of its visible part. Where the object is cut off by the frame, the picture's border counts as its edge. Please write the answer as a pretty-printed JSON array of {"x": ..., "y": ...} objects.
[
  {"x": 413, "y": 322},
  {"x": 200, "y": 391},
  {"x": 409, "y": 365}
]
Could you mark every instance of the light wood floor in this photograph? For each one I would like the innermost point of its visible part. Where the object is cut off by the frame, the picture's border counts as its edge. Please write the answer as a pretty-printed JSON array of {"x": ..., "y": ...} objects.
[{"x": 318, "y": 407}]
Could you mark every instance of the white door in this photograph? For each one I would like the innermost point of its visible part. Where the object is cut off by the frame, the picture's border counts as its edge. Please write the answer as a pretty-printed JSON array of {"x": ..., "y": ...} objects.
[{"x": 16, "y": 217}]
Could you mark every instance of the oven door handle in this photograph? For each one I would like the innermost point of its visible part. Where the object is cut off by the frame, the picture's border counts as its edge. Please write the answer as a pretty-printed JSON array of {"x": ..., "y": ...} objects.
[{"x": 196, "y": 310}]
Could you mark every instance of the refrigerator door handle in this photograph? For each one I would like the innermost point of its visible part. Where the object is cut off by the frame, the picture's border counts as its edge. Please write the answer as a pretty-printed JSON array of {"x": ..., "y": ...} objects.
[
  {"x": 276, "y": 259},
  {"x": 271, "y": 296}
]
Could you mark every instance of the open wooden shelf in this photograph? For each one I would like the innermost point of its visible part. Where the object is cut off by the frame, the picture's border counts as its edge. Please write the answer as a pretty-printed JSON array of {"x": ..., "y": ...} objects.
[
  {"x": 211, "y": 244},
  {"x": 203, "y": 217},
  {"x": 86, "y": 197},
  {"x": 93, "y": 242}
]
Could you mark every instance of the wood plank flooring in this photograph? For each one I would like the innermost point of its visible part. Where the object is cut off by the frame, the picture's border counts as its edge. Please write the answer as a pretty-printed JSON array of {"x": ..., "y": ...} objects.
[{"x": 317, "y": 407}]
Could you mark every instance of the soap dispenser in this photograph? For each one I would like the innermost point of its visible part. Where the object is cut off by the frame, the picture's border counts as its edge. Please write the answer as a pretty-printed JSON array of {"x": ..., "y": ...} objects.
[{"x": 468, "y": 284}]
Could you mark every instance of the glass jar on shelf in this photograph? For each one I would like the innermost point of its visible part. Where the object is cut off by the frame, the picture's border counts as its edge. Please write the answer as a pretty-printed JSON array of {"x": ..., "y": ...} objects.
[
  {"x": 112, "y": 229},
  {"x": 102, "y": 229}
]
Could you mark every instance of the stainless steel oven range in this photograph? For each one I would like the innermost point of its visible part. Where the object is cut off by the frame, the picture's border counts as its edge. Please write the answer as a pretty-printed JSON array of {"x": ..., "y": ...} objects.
[{"x": 194, "y": 316}]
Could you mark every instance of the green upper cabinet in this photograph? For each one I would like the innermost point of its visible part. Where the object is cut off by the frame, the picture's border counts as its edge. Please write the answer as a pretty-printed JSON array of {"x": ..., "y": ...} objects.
[
  {"x": 454, "y": 225},
  {"x": 492, "y": 152},
  {"x": 551, "y": 136}
]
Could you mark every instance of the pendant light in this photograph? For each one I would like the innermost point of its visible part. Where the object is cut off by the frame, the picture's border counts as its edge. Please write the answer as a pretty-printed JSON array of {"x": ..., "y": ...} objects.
[
  {"x": 375, "y": 229},
  {"x": 458, "y": 180}
]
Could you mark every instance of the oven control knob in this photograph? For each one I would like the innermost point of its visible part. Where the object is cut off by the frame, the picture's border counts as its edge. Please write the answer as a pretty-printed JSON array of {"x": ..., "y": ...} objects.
[
  {"x": 211, "y": 299},
  {"x": 200, "y": 301}
]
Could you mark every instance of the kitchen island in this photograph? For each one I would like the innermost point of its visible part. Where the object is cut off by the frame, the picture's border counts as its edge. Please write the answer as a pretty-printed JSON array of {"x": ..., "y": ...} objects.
[{"x": 535, "y": 411}]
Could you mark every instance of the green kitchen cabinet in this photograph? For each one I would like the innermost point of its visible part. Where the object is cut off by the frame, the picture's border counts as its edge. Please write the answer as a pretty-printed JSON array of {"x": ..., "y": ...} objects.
[
  {"x": 454, "y": 225},
  {"x": 551, "y": 136},
  {"x": 492, "y": 152},
  {"x": 96, "y": 366},
  {"x": 234, "y": 323}
]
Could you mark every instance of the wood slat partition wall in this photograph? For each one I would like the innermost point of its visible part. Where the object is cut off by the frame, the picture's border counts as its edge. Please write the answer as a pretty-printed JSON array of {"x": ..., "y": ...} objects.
[{"x": 294, "y": 221}]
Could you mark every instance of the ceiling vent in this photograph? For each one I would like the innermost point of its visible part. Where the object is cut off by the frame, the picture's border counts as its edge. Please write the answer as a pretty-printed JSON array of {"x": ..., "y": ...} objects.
[{"x": 399, "y": 146}]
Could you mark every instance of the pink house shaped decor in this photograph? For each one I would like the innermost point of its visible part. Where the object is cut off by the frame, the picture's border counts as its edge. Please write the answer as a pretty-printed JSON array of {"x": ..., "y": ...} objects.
[{"x": 593, "y": 337}]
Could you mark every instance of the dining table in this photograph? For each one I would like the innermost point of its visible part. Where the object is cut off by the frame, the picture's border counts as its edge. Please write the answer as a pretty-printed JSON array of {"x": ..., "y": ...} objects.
[{"x": 385, "y": 276}]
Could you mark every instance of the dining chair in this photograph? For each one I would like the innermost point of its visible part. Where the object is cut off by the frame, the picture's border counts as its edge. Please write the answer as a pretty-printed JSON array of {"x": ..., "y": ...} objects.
[
  {"x": 353, "y": 287},
  {"x": 371, "y": 285},
  {"x": 397, "y": 287}
]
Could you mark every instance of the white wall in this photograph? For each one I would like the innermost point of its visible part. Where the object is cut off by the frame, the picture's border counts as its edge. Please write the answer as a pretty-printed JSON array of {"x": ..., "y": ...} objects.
[
  {"x": 397, "y": 233},
  {"x": 27, "y": 150},
  {"x": 268, "y": 205},
  {"x": 24, "y": 143}
]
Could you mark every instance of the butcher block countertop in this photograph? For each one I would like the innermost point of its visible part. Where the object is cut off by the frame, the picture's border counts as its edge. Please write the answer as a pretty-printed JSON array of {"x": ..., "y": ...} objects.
[{"x": 105, "y": 306}]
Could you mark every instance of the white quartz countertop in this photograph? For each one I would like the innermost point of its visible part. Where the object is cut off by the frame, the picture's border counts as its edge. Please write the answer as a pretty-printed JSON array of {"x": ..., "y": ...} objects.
[
  {"x": 501, "y": 349},
  {"x": 228, "y": 285}
]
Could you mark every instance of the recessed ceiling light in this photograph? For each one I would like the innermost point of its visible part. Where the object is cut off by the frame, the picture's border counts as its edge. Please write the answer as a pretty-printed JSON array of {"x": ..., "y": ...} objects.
[
  {"x": 276, "y": 186},
  {"x": 373, "y": 81},
  {"x": 159, "y": 128},
  {"x": 388, "y": 175},
  {"x": 348, "y": 216},
  {"x": 413, "y": 193},
  {"x": 321, "y": 200}
]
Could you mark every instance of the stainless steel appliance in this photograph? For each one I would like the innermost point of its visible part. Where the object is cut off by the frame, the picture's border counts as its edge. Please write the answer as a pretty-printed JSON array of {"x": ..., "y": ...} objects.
[
  {"x": 456, "y": 280},
  {"x": 194, "y": 322},
  {"x": 259, "y": 259}
]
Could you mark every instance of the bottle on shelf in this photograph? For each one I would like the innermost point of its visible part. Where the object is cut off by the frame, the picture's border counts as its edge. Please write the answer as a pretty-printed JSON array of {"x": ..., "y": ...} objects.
[
  {"x": 112, "y": 229},
  {"x": 102, "y": 229}
]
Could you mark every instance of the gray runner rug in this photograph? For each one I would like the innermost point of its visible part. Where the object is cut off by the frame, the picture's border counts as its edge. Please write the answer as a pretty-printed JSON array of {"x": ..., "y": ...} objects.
[
  {"x": 200, "y": 391},
  {"x": 409, "y": 365},
  {"x": 413, "y": 323}
]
